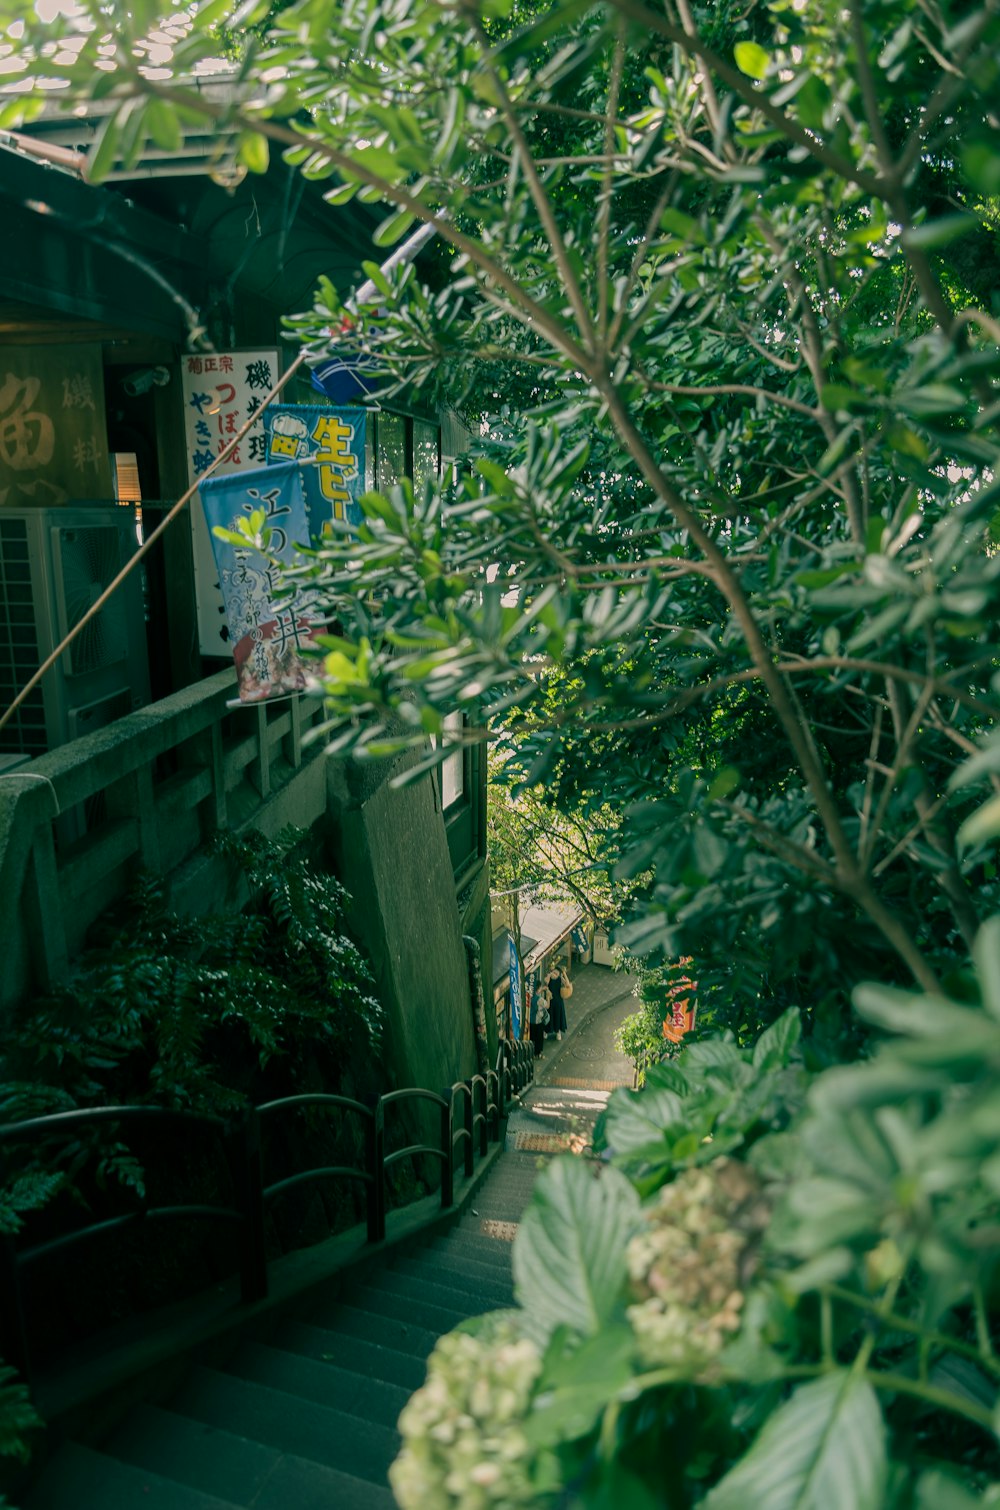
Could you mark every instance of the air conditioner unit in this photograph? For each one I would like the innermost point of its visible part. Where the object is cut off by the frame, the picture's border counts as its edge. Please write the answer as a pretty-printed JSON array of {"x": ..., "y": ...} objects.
[{"x": 54, "y": 564}]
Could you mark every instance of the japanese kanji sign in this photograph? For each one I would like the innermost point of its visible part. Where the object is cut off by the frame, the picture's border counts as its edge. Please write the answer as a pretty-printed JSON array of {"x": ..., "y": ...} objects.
[
  {"x": 53, "y": 430},
  {"x": 267, "y": 637},
  {"x": 332, "y": 444},
  {"x": 681, "y": 1004},
  {"x": 220, "y": 390}
]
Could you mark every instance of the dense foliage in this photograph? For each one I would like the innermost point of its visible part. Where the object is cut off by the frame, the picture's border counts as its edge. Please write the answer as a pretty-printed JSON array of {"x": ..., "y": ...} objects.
[
  {"x": 18, "y": 1420},
  {"x": 197, "y": 1013},
  {"x": 778, "y": 1295},
  {"x": 721, "y": 285}
]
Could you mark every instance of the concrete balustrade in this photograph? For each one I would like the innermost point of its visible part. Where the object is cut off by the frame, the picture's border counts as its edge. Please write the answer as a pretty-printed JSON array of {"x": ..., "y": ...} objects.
[{"x": 78, "y": 824}]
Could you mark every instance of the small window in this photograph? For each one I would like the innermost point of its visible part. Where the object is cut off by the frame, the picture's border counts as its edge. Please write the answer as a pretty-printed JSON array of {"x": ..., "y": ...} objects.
[
  {"x": 426, "y": 459},
  {"x": 390, "y": 450}
]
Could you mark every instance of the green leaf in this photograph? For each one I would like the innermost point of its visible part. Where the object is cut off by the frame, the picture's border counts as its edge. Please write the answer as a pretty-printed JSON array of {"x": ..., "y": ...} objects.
[
  {"x": 938, "y": 1030},
  {"x": 935, "y": 233},
  {"x": 393, "y": 228},
  {"x": 104, "y": 154},
  {"x": 252, "y": 150},
  {"x": 751, "y": 59},
  {"x": 578, "y": 1380},
  {"x": 937, "y": 1490},
  {"x": 163, "y": 125},
  {"x": 823, "y": 1450},
  {"x": 986, "y": 954},
  {"x": 980, "y": 826},
  {"x": 638, "y": 1121},
  {"x": 984, "y": 763},
  {"x": 569, "y": 1256},
  {"x": 981, "y": 162},
  {"x": 775, "y": 1046},
  {"x": 837, "y": 396},
  {"x": 684, "y": 226}
]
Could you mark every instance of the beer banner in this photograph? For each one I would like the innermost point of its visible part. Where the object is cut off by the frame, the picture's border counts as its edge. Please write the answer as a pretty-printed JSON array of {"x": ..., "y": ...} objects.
[{"x": 330, "y": 443}]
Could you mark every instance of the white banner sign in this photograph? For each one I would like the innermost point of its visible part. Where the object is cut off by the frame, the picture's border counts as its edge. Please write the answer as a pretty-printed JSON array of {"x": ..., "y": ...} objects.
[{"x": 221, "y": 390}]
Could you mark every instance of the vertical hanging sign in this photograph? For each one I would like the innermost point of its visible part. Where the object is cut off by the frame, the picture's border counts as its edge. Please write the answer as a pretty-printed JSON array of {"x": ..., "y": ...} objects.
[
  {"x": 515, "y": 992},
  {"x": 221, "y": 391},
  {"x": 331, "y": 444},
  {"x": 268, "y": 633}
]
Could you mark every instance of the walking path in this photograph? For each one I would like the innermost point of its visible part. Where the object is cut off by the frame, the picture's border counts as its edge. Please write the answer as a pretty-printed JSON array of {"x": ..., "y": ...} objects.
[{"x": 573, "y": 1080}]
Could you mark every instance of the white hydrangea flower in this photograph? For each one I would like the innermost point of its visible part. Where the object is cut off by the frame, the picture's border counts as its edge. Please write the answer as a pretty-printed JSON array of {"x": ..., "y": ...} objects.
[
  {"x": 689, "y": 1267},
  {"x": 463, "y": 1446}
]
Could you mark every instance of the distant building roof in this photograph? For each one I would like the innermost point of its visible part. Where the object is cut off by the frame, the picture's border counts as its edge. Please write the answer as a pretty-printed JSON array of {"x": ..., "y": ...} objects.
[{"x": 548, "y": 923}]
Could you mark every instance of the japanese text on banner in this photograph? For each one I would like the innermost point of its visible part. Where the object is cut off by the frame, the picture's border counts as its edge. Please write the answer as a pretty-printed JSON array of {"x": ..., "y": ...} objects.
[
  {"x": 268, "y": 632},
  {"x": 331, "y": 444}
]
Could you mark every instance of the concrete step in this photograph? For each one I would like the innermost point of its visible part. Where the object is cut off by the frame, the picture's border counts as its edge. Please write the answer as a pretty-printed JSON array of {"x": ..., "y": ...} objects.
[
  {"x": 363, "y": 1449},
  {"x": 246, "y": 1472},
  {"x": 524, "y": 1184},
  {"x": 356, "y": 1354},
  {"x": 388, "y": 1331},
  {"x": 470, "y": 1246},
  {"x": 447, "y": 1287},
  {"x": 412, "y": 1307},
  {"x": 522, "y": 1170},
  {"x": 344, "y": 1389},
  {"x": 78, "y": 1478}
]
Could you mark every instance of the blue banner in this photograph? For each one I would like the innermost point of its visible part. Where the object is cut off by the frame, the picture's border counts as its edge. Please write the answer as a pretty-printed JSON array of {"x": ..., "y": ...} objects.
[
  {"x": 266, "y": 637},
  {"x": 579, "y": 937},
  {"x": 345, "y": 379},
  {"x": 331, "y": 445},
  {"x": 515, "y": 992}
]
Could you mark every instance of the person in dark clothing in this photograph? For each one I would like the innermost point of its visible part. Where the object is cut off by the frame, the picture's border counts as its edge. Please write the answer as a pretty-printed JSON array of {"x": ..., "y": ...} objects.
[
  {"x": 538, "y": 1018},
  {"x": 555, "y": 981}
]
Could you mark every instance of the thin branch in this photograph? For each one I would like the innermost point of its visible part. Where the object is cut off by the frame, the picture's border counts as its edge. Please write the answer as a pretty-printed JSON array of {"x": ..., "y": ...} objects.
[
  {"x": 747, "y": 91},
  {"x": 749, "y": 389},
  {"x": 873, "y": 747},
  {"x": 606, "y": 192},
  {"x": 540, "y": 199}
]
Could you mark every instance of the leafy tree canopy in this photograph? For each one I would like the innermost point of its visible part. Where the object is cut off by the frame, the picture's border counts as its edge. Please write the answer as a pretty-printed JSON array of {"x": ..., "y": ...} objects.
[{"x": 720, "y": 283}]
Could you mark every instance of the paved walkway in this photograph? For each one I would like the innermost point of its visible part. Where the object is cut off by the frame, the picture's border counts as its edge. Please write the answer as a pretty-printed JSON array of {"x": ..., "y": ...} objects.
[{"x": 575, "y": 1076}]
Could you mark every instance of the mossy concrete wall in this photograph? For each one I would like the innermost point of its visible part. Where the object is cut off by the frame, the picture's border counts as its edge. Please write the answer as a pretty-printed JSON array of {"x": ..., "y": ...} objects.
[{"x": 390, "y": 850}]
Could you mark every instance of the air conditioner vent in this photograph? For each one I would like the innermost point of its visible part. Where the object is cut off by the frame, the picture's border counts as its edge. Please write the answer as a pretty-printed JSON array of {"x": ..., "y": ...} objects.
[
  {"x": 87, "y": 560},
  {"x": 54, "y": 564}
]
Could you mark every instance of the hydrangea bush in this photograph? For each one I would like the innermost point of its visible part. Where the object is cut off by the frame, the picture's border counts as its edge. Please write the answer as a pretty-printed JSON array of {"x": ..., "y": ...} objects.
[{"x": 795, "y": 1313}]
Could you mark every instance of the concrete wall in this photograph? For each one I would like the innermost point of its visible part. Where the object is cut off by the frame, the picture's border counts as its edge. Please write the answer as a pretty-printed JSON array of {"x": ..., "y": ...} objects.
[{"x": 391, "y": 853}]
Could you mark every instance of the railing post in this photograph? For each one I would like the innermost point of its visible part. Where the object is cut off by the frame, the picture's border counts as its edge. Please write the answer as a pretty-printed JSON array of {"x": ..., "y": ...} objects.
[
  {"x": 448, "y": 1146},
  {"x": 470, "y": 1125},
  {"x": 13, "y": 1333},
  {"x": 484, "y": 1126},
  {"x": 493, "y": 1104},
  {"x": 376, "y": 1168},
  {"x": 250, "y": 1198}
]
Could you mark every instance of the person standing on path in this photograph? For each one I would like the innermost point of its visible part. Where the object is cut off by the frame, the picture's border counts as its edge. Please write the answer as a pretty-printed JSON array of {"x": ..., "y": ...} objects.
[
  {"x": 556, "y": 981},
  {"x": 538, "y": 1019}
]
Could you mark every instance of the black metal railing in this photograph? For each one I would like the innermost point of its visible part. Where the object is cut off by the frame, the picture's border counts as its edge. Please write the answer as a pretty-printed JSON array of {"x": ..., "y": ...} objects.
[{"x": 470, "y": 1114}]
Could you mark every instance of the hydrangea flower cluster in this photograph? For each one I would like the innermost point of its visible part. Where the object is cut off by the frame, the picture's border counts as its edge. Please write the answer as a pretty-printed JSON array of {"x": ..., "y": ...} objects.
[
  {"x": 463, "y": 1438},
  {"x": 689, "y": 1267}
]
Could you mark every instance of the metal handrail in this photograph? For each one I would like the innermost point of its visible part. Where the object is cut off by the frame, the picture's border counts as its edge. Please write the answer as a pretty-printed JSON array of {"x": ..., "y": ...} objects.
[{"x": 484, "y": 1100}]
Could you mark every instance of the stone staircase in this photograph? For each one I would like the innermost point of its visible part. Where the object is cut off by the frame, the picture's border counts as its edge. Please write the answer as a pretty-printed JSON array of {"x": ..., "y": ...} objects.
[{"x": 303, "y": 1416}]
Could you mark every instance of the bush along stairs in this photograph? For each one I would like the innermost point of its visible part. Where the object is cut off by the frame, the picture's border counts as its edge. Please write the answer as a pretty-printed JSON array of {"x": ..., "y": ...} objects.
[{"x": 303, "y": 1413}]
